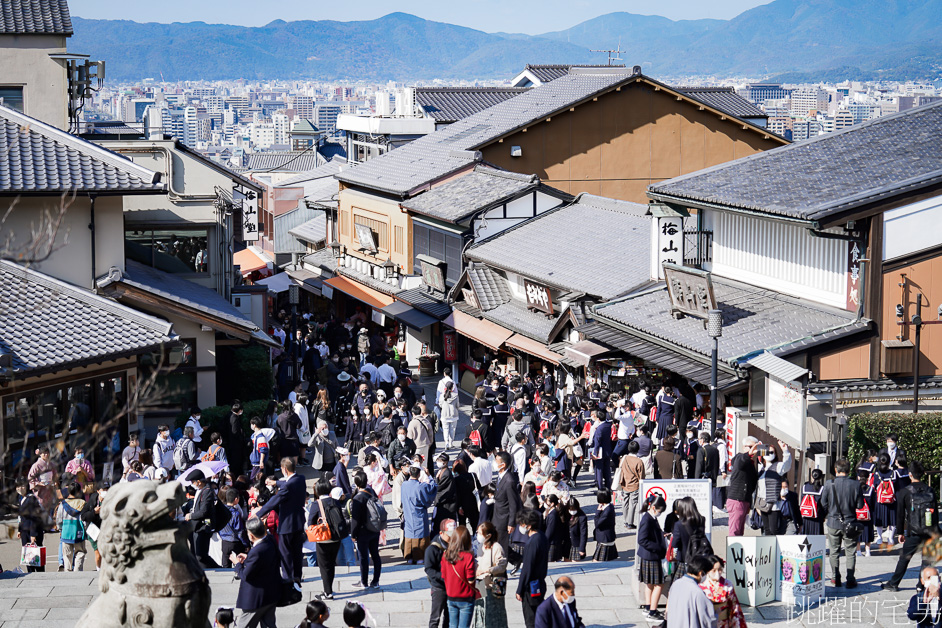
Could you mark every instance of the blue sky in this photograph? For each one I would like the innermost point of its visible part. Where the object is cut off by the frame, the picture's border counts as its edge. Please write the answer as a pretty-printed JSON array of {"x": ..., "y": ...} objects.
[{"x": 518, "y": 16}]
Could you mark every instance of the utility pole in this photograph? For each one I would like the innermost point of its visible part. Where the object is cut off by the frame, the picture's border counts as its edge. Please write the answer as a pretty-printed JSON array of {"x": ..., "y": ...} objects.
[{"x": 917, "y": 323}]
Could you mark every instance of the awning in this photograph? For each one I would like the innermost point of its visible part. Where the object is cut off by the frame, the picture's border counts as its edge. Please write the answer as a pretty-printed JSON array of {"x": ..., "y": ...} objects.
[
  {"x": 249, "y": 261},
  {"x": 307, "y": 280},
  {"x": 776, "y": 366},
  {"x": 582, "y": 352},
  {"x": 408, "y": 315},
  {"x": 656, "y": 354},
  {"x": 276, "y": 284},
  {"x": 534, "y": 348},
  {"x": 487, "y": 333},
  {"x": 359, "y": 292}
]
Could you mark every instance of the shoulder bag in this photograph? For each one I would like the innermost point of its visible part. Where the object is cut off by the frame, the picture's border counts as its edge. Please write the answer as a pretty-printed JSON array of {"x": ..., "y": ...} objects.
[
  {"x": 319, "y": 532},
  {"x": 498, "y": 585}
]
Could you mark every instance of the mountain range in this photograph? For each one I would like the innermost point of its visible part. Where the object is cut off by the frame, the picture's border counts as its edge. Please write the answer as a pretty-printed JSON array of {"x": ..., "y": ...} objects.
[{"x": 792, "y": 39}]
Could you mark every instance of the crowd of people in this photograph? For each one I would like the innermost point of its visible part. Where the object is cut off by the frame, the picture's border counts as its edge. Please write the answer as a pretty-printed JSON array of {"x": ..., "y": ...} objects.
[{"x": 497, "y": 504}]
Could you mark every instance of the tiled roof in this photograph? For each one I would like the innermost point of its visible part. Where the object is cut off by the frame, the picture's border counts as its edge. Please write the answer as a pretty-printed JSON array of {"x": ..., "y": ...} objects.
[
  {"x": 25, "y": 17},
  {"x": 421, "y": 300},
  {"x": 323, "y": 259},
  {"x": 482, "y": 188},
  {"x": 725, "y": 99},
  {"x": 368, "y": 280},
  {"x": 313, "y": 230},
  {"x": 553, "y": 247},
  {"x": 38, "y": 158},
  {"x": 281, "y": 161},
  {"x": 825, "y": 175},
  {"x": 323, "y": 172},
  {"x": 515, "y": 316},
  {"x": 450, "y": 104},
  {"x": 547, "y": 73},
  {"x": 450, "y": 149},
  {"x": 870, "y": 385},
  {"x": 48, "y": 325},
  {"x": 754, "y": 319},
  {"x": 490, "y": 287},
  {"x": 285, "y": 241}
]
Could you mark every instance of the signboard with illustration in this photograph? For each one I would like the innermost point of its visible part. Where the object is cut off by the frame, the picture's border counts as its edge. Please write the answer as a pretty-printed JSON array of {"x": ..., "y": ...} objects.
[
  {"x": 670, "y": 490},
  {"x": 800, "y": 570},
  {"x": 690, "y": 291},
  {"x": 752, "y": 569}
]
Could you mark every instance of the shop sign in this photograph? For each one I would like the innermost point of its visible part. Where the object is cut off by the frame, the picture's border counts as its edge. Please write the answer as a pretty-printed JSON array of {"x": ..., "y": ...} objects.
[
  {"x": 451, "y": 346},
  {"x": 786, "y": 410},
  {"x": 327, "y": 291},
  {"x": 670, "y": 490},
  {"x": 365, "y": 238},
  {"x": 853, "y": 275},
  {"x": 800, "y": 570},
  {"x": 752, "y": 569},
  {"x": 670, "y": 241},
  {"x": 732, "y": 432},
  {"x": 379, "y": 318},
  {"x": 433, "y": 272},
  {"x": 249, "y": 212},
  {"x": 690, "y": 291},
  {"x": 538, "y": 297}
]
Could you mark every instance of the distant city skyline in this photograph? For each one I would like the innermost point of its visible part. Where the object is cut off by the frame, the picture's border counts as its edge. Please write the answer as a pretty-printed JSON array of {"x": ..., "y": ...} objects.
[{"x": 517, "y": 16}]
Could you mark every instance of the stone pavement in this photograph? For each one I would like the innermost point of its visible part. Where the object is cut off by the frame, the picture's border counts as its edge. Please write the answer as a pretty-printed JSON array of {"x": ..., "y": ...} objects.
[{"x": 605, "y": 591}]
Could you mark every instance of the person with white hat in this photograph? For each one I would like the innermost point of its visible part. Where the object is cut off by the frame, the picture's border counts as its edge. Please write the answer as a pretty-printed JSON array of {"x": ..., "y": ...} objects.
[{"x": 340, "y": 473}]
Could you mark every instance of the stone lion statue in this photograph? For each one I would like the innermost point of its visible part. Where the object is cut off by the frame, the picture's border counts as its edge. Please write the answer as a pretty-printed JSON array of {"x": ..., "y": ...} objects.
[{"x": 149, "y": 577}]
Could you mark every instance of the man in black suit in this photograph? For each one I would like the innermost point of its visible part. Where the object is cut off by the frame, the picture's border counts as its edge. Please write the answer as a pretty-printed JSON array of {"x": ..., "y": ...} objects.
[
  {"x": 559, "y": 610},
  {"x": 201, "y": 514},
  {"x": 602, "y": 449},
  {"x": 707, "y": 460},
  {"x": 234, "y": 438},
  {"x": 506, "y": 501},
  {"x": 289, "y": 501},
  {"x": 260, "y": 586},
  {"x": 531, "y": 588}
]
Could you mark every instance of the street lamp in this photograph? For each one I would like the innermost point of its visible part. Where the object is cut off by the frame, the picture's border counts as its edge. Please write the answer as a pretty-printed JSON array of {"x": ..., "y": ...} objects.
[
  {"x": 715, "y": 329},
  {"x": 389, "y": 269}
]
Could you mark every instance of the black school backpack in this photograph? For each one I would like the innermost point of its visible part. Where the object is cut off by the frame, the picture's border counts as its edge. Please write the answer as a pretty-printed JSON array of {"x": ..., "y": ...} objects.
[
  {"x": 698, "y": 545},
  {"x": 922, "y": 516}
]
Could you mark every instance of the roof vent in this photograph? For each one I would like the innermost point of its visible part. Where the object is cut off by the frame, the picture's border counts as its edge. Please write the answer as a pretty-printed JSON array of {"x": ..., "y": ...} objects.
[{"x": 636, "y": 70}]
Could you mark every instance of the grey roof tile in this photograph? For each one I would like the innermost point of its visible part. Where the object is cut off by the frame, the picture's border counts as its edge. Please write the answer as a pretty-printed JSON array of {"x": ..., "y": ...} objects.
[
  {"x": 323, "y": 259},
  {"x": 551, "y": 72},
  {"x": 450, "y": 104},
  {"x": 323, "y": 172},
  {"x": 367, "y": 280},
  {"x": 48, "y": 325},
  {"x": 552, "y": 247},
  {"x": 515, "y": 316},
  {"x": 460, "y": 198},
  {"x": 287, "y": 242},
  {"x": 754, "y": 319},
  {"x": 282, "y": 161},
  {"x": 313, "y": 230},
  {"x": 36, "y": 157},
  {"x": 185, "y": 292},
  {"x": 489, "y": 286},
  {"x": 28, "y": 17},
  {"x": 725, "y": 99},
  {"x": 422, "y": 301},
  {"x": 827, "y": 174}
]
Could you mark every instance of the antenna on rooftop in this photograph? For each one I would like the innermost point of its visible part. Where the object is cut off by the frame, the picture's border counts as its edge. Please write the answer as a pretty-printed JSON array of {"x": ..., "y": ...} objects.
[{"x": 613, "y": 54}]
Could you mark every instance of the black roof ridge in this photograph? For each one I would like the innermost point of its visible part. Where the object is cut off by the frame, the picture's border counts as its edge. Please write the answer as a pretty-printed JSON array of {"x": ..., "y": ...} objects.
[
  {"x": 791, "y": 146},
  {"x": 491, "y": 170}
]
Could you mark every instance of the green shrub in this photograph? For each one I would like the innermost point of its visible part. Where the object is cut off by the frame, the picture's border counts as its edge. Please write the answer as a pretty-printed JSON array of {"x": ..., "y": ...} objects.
[
  {"x": 920, "y": 435},
  {"x": 214, "y": 418}
]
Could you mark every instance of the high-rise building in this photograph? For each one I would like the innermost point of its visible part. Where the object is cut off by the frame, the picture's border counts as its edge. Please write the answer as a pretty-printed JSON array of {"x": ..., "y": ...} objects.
[
  {"x": 134, "y": 109},
  {"x": 760, "y": 92},
  {"x": 325, "y": 117},
  {"x": 282, "y": 126},
  {"x": 191, "y": 127},
  {"x": 807, "y": 100},
  {"x": 302, "y": 105}
]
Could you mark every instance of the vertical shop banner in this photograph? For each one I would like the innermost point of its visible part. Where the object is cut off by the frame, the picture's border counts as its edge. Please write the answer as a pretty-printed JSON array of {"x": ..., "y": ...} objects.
[
  {"x": 751, "y": 568},
  {"x": 451, "y": 346},
  {"x": 800, "y": 563},
  {"x": 700, "y": 490},
  {"x": 732, "y": 432}
]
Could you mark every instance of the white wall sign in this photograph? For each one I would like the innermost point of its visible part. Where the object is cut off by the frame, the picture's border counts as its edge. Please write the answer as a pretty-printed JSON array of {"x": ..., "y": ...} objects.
[
  {"x": 700, "y": 490},
  {"x": 379, "y": 318},
  {"x": 327, "y": 291},
  {"x": 752, "y": 569},
  {"x": 670, "y": 242},
  {"x": 249, "y": 212},
  {"x": 800, "y": 561},
  {"x": 785, "y": 410}
]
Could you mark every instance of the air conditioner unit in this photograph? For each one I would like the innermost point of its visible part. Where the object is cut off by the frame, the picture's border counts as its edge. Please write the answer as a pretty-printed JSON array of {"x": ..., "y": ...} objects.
[{"x": 516, "y": 151}]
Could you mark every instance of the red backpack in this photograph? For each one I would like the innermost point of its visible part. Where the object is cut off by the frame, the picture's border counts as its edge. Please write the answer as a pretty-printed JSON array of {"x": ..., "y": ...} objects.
[
  {"x": 863, "y": 514},
  {"x": 809, "y": 506},
  {"x": 886, "y": 494},
  {"x": 475, "y": 437}
]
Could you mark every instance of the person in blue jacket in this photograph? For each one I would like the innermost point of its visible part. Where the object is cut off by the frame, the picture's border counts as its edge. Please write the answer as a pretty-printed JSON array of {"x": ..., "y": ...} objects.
[{"x": 417, "y": 497}]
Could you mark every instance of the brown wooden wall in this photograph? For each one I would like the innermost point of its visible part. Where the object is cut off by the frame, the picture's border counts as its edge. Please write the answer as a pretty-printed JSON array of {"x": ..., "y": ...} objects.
[
  {"x": 847, "y": 363},
  {"x": 622, "y": 142},
  {"x": 922, "y": 277}
]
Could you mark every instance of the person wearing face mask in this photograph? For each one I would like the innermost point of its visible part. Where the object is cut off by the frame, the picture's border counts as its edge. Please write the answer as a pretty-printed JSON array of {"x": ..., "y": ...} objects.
[
  {"x": 559, "y": 610},
  {"x": 688, "y": 606},
  {"x": 82, "y": 469},
  {"x": 402, "y": 447},
  {"x": 892, "y": 450},
  {"x": 690, "y": 448},
  {"x": 489, "y": 609},
  {"x": 768, "y": 487},
  {"x": 742, "y": 485},
  {"x": 531, "y": 587},
  {"x": 791, "y": 521},
  {"x": 324, "y": 444},
  {"x": 506, "y": 500},
  {"x": 652, "y": 549},
  {"x": 163, "y": 448},
  {"x": 722, "y": 595},
  {"x": 30, "y": 529},
  {"x": 924, "y": 607},
  {"x": 918, "y": 519}
]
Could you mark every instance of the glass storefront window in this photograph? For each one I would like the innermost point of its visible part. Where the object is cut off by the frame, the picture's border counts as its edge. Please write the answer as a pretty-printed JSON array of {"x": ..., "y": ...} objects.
[{"x": 179, "y": 250}]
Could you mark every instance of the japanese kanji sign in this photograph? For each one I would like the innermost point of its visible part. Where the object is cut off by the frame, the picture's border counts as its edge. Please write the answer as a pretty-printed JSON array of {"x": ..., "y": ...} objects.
[
  {"x": 854, "y": 286},
  {"x": 538, "y": 297},
  {"x": 249, "y": 200},
  {"x": 670, "y": 242},
  {"x": 690, "y": 290}
]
